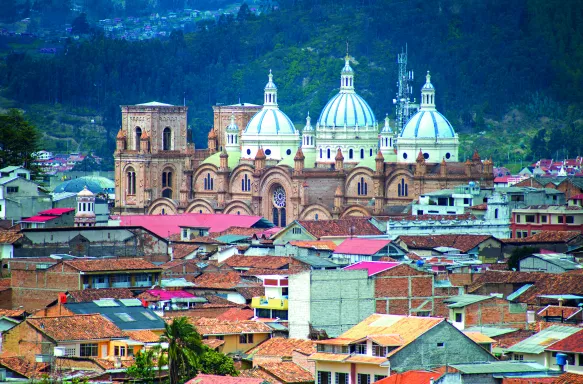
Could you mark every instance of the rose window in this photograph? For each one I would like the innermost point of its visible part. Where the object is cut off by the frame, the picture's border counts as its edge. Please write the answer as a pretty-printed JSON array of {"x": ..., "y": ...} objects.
[{"x": 279, "y": 197}]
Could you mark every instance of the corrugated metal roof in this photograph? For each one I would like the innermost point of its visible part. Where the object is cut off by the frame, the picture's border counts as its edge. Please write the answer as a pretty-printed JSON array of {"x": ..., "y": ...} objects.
[
  {"x": 499, "y": 367},
  {"x": 461, "y": 301},
  {"x": 491, "y": 331},
  {"x": 519, "y": 291},
  {"x": 228, "y": 239},
  {"x": 538, "y": 342}
]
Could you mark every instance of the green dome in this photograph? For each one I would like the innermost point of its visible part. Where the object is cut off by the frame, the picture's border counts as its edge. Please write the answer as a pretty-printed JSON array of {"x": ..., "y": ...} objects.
[{"x": 95, "y": 184}]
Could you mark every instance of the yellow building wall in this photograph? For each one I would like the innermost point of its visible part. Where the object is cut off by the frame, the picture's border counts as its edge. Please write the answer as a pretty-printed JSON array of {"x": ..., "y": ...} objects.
[{"x": 232, "y": 344}]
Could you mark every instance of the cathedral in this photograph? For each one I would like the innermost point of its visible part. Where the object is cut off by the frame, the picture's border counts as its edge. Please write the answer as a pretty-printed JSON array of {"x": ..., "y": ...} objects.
[{"x": 258, "y": 163}]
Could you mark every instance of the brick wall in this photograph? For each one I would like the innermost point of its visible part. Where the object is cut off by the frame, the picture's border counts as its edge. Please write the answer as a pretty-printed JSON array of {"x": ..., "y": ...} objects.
[
  {"x": 303, "y": 361},
  {"x": 495, "y": 312},
  {"x": 23, "y": 340}
]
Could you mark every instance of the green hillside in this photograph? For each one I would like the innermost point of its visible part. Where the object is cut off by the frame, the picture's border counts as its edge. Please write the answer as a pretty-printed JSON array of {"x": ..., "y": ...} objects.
[{"x": 503, "y": 70}]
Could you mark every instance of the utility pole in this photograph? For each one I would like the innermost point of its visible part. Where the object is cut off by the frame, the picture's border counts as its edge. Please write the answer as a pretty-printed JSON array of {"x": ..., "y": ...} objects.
[{"x": 404, "y": 108}]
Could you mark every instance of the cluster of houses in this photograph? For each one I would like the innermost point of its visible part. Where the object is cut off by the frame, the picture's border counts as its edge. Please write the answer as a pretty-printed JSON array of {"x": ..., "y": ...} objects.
[{"x": 464, "y": 285}]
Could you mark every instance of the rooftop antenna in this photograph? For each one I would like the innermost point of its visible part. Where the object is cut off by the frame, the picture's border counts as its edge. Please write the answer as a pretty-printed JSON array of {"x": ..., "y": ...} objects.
[{"x": 404, "y": 108}]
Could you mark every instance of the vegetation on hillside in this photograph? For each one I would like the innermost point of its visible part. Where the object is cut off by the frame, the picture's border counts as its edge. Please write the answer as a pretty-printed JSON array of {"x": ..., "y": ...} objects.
[
  {"x": 18, "y": 140},
  {"x": 487, "y": 58}
]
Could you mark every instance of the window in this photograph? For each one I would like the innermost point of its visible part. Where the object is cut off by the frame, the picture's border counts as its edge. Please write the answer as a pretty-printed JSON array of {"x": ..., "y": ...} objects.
[
  {"x": 166, "y": 136},
  {"x": 246, "y": 338},
  {"x": 328, "y": 152},
  {"x": 324, "y": 377},
  {"x": 341, "y": 378},
  {"x": 543, "y": 218},
  {"x": 518, "y": 218},
  {"x": 378, "y": 377},
  {"x": 518, "y": 357},
  {"x": 11, "y": 189},
  {"x": 466, "y": 201},
  {"x": 363, "y": 378},
  {"x": 402, "y": 189},
  {"x": 288, "y": 152},
  {"x": 362, "y": 187},
  {"x": 71, "y": 351},
  {"x": 378, "y": 350},
  {"x": 120, "y": 281},
  {"x": 138, "y": 137},
  {"x": 220, "y": 337},
  {"x": 570, "y": 219},
  {"x": 185, "y": 233},
  {"x": 297, "y": 231},
  {"x": 320, "y": 153},
  {"x": 268, "y": 152},
  {"x": 130, "y": 181},
  {"x": 246, "y": 184},
  {"x": 208, "y": 182},
  {"x": 167, "y": 178},
  {"x": 560, "y": 219},
  {"x": 284, "y": 291},
  {"x": 580, "y": 360},
  {"x": 143, "y": 280},
  {"x": 496, "y": 214},
  {"x": 459, "y": 317},
  {"x": 89, "y": 350},
  {"x": 530, "y": 219},
  {"x": 362, "y": 153},
  {"x": 350, "y": 153},
  {"x": 440, "y": 345},
  {"x": 359, "y": 349},
  {"x": 371, "y": 152},
  {"x": 149, "y": 316},
  {"x": 119, "y": 350}
]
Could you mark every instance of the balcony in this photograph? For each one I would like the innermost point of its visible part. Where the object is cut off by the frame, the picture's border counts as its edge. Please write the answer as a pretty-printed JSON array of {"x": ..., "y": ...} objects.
[{"x": 262, "y": 302}]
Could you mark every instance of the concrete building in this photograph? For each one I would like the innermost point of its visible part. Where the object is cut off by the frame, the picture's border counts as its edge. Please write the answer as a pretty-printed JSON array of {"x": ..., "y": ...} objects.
[
  {"x": 572, "y": 346},
  {"x": 21, "y": 198},
  {"x": 549, "y": 262},
  {"x": 50, "y": 218},
  {"x": 333, "y": 301},
  {"x": 534, "y": 348},
  {"x": 530, "y": 220}
]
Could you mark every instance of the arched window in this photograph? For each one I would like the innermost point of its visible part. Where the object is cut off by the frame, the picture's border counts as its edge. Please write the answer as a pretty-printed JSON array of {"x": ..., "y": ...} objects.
[
  {"x": 328, "y": 152},
  {"x": 350, "y": 153},
  {"x": 208, "y": 182},
  {"x": 320, "y": 153},
  {"x": 130, "y": 181},
  {"x": 402, "y": 189},
  {"x": 246, "y": 184},
  {"x": 362, "y": 187},
  {"x": 138, "y": 137},
  {"x": 276, "y": 216},
  {"x": 370, "y": 152},
  {"x": 496, "y": 213},
  {"x": 167, "y": 178},
  {"x": 361, "y": 153},
  {"x": 167, "y": 193},
  {"x": 166, "y": 137},
  {"x": 282, "y": 219}
]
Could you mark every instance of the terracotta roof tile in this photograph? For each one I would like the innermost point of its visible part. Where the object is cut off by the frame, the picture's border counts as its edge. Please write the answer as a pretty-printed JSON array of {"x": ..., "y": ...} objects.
[
  {"x": 571, "y": 344},
  {"x": 218, "y": 280},
  {"x": 181, "y": 250},
  {"x": 262, "y": 262},
  {"x": 281, "y": 347},
  {"x": 547, "y": 237},
  {"x": 324, "y": 245},
  {"x": 355, "y": 226},
  {"x": 98, "y": 265},
  {"x": 216, "y": 379},
  {"x": 213, "y": 343},
  {"x": 288, "y": 372},
  {"x": 207, "y": 326},
  {"x": 23, "y": 367},
  {"x": 504, "y": 277},
  {"x": 9, "y": 237},
  {"x": 86, "y": 295},
  {"x": 250, "y": 292},
  {"x": 76, "y": 327},
  {"x": 464, "y": 243},
  {"x": 569, "y": 378},
  {"x": 479, "y": 337},
  {"x": 111, "y": 364},
  {"x": 236, "y": 314},
  {"x": 243, "y": 231},
  {"x": 558, "y": 311},
  {"x": 145, "y": 336},
  {"x": 463, "y": 216},
  {"x": 410, "y": 377},
  {"x": 198, "y": 313},
  {"x": 480, "y": 207},
  {"x": 12, "y": 312},
  {"x": 528, "y": 380}
]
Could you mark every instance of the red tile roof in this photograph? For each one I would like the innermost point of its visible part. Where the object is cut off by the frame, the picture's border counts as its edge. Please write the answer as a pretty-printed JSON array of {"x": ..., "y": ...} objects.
[
  {"x": 571, "y": 344},
  {"x": 206, "y": 326},
  {"x": 410, "y": 377},
  {"x": 250, "y": 292},
  {"x": 218, "y": 280},
  {"x": 354, "y": 226},
  {"x": 181, "y": 250},
  {"x": 213, "y": 343},
  {"x": 463, "y": 216},
  {"x": 9, "y": 237},
  {"x": 144, "y": 336},
  {"x": 216, "y": 379},
  {"x": 24, "y": 367},
  {"x": 288, "y": 372},
  {"x": 56, "y": 211},
  {"x": 282, "y": 347},
  {"x": 464, "y": 243},
  {"x": 266, "y": 262},
  {"x": 360, "y": 246},
  {"x": 99, "y": 265},
  {"x": 528, "y": 380},
  {"x": 86, "y": 295},
  {"x": 480, "y": 207},
  {"x": 234, "y": 314},
  {"x": 76, "y": 327},
  {"x": 12, "y": 312},
  {"x": 163, "y": 225},
  {"x": 324, "y": 245},
  {"x": 373, "y": 267},
  {"x": 547, "y": 237},
  {"x": 569, "y": 378}
]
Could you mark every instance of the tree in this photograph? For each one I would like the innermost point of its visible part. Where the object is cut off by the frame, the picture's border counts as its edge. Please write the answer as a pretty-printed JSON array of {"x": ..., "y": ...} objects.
[
  {"x": 80, "y": 25},
  {"x": 216, "y": 363},
  {"x": 18, "y": 140},
  {"x": 517, "y": 255},
  {"x": 143, "y": 368},
  {"x": 184, "y": 349}
]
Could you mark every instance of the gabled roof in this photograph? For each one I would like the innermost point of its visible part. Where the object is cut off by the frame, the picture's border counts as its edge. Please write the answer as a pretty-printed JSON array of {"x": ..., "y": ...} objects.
[
  {"x": 267, "y": 262},
  {"x": 216, "y": 379},
  {"x": 571, "y": 344},
  {"x": 144, "y": 336},
  {"x": 76, "y": 327},
  {"x": 106, "y": 265},
  {"x": 546, "y": 237},
  {"x": 569, "y": 378},
  {"x": 491, "y": 367},
  {"x": 353, "y": 226},
  {"x": 181, "y": 250},
  {"x": 461, "y": 301},
  {"x": 56, "y": 211},
  {"x": 206, "y": 326},
  {"x": 218, "y": 280},
  {"x": 410, "y": 377},
  {"x": 464, "y": 243},
  {"x": 90, "y": 294},
  {"x": 9, "y": 237},
  {"x": 324, "y": 245},
  {"x": 361, "y": 246},
  {"x": 288, "y": 372},
  {"x": 236, "y": 314},
  {"x": 24, "y": 367},
  {"x": 165, "y": 225},
  {"x": 282, "y": 347},
  {"x": 538, "y": 342},
  {"x": 372, "y": 267}
]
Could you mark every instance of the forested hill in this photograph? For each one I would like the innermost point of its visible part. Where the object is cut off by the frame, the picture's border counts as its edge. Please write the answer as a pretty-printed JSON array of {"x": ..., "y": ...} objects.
[{"x": 486, "y": 57}]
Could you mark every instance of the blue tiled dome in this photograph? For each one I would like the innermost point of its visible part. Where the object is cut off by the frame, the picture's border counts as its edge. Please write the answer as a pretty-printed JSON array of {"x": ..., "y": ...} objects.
[
  {"x": 95, "y": 184},
  {"x": 428, "y": 124},
  {"x": 270, "y": 121},
  {"x": 347, "y": 109}
]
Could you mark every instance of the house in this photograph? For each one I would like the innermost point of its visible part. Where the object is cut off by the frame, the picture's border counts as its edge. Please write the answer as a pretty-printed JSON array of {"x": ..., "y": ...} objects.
[
  {"x": 21, "y": 198},
  {"x": 533, "y": 219},
  {"x": 410, "y": 377},
  {"x": 381, "y": 344},
  {"x": 548, "y": 262},
  {"x": 328, "y": 300},
  {"x": 216, "y": 379},
  {"x": 235, "y": 336},
  {"x": 561, "y": 314},
  {"x": 7, "y": 240},
  {"x": 279, "y": 349},
  {"x": 19, "y": 368},
  {"x": 90, "y": 335},
  {"x": 309, "y": 248},
  {"x": 534, "y": 348},
  {"x": 225, "y": 284},
  {"x": 572, "y": 346},
  {"x": 273, "y": 304},
  {"x": 484, "y": 247},
  {"x": 335, "y": 230},
  {"x": 569, "y": 185},
  {"x": 50, "y": 218},
  {"x": 34, "y": 284},
  {"x": 285, "y": 372},
  {"x": 15, "y": 170},
  {"x": 353, "y": 250},
  {"x": 475, "y": 310},
  {"x": 493, "y": 372},
  {"x": 553, "y": 241}
]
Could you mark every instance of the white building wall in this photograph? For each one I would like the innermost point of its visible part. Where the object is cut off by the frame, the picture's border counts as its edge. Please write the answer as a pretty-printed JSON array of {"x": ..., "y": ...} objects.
[{"x": 299, "y": 312}]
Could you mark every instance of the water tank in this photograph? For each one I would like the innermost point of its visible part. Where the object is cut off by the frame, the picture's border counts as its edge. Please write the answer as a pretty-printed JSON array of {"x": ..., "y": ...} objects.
[
  {"x": 420, "y": 263},
  {"x": 561, "y": 359}
]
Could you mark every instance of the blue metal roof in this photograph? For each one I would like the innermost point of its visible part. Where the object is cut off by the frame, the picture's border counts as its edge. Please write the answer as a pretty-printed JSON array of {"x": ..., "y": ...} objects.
[
  {"x": 428, "y": 124},
  {"x": 347, "y": 109}
]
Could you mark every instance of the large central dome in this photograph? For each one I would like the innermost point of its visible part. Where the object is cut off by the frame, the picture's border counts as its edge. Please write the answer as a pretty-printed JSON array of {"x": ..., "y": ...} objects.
[
  {"x": 347, "y": 108},
  {"x": 428, "y": 124},
  {"x": 270, "y": 121}
]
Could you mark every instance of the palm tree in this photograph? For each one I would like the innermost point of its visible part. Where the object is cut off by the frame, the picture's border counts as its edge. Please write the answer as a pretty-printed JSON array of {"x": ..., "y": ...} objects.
[{"x": 184, "y": 347}]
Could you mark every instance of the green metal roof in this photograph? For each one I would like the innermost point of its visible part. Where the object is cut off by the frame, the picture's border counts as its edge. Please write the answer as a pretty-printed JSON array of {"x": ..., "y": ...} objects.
[
  {"x": 368, "y": 162},
  {"x": 229, "y": 239},
  {"x": 491, "y": 331},
  {"x": 519, "y": 291},
  {"x": 288, "y": 160},
  {"x": 538, "y": 342},
  {"x": 215, "y": 159},
  {"x": 499, "y": 367},
  {"x": 461, "y": 301}
]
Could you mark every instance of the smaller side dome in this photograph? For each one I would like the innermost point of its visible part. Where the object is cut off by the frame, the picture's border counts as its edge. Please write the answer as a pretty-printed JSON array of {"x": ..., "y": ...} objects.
[{"x": 233, "y": 127}]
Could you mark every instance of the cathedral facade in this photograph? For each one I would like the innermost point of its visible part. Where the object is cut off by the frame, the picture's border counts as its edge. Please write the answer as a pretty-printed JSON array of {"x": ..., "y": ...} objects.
[{"x": 259, "y": 163}]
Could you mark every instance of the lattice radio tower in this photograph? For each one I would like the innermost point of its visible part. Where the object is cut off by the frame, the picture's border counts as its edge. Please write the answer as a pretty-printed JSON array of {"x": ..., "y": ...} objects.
[{"x": 404, "y": 107}]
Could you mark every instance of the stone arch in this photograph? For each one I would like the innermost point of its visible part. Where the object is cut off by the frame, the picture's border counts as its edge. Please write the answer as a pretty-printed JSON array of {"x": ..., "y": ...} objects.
[
  {"x": 237, "y": 175},
  {"x": 355, "y": 211},
  {"x": 238, "y": 207},
  {"x": 354, "y": 180},
  {"x": 391, "y": 185},
  {"x": 201, "y": 176},
  {"x": 198, "y": 205},
  {"x": 168, "y": 180},
  {"x": 271, "y": 180},
  {"x": 310, "y": 212},
  {"x": 163, "y": 206}
]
